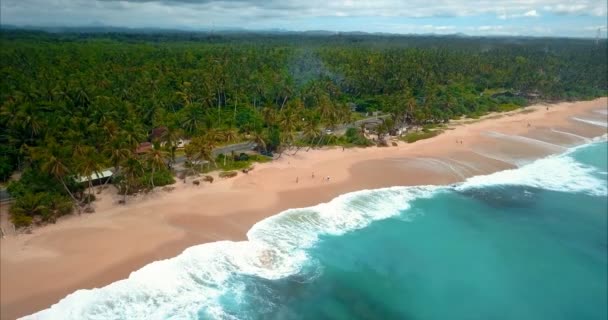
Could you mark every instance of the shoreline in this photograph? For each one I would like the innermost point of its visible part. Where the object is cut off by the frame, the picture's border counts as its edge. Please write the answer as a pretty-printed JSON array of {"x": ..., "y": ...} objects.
[{"x": 94, "y": 250}]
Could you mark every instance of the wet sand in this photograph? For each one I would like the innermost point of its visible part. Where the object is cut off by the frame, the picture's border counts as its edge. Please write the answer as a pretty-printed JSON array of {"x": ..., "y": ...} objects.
[{"x": 93, "y": 250}]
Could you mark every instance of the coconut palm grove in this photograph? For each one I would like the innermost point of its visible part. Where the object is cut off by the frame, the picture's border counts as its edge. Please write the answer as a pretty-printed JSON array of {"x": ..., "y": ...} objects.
[{"x": 152, "y": 107}]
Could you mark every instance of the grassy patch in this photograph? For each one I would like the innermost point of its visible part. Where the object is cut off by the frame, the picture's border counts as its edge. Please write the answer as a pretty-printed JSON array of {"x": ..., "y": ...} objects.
[
  {"x": 236, "y": 164},
  {"x": 415, "y": 136},
  {"x": 505, "y": 107}
]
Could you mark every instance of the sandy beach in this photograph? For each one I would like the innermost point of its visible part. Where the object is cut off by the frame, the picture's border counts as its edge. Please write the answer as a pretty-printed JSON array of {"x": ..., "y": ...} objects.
[{"x": 93, "y": 250}]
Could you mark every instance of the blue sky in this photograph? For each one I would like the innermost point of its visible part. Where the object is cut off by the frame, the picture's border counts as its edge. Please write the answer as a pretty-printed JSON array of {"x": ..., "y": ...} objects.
[{"x": 574, "y": 18}]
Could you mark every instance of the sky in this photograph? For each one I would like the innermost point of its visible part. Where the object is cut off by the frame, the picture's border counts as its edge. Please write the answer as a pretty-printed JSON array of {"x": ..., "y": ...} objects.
[{"x": 555, "y": 18}]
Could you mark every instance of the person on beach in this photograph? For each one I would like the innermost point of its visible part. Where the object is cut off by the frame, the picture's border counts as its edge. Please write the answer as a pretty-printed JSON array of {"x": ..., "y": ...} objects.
[
  {"x": 313, "y": 175},
  {"x": 297, "y": 179}
]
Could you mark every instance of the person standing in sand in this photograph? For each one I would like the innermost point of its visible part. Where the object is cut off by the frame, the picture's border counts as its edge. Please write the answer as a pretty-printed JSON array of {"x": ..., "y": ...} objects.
[
  {"x": 297, "y": 179},
  {"x": 313, "y": 174}
]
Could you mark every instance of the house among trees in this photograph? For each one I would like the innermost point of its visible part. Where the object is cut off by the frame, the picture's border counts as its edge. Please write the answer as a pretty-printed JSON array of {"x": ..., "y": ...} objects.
[
  {"x": 143, "y": 147},
  {"x": 157, "y": 133}
]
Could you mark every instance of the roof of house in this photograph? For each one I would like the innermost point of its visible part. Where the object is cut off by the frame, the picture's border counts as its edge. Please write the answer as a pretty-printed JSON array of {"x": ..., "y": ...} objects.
[
  {"x": 143, "y": 147},
  {"x": 158, "y": 132},
  {"x": 98, "y": 175}
]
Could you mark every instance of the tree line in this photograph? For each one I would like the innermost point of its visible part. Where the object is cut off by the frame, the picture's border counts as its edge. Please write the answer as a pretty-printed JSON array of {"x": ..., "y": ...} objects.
[{"x": 74, "y": 104}]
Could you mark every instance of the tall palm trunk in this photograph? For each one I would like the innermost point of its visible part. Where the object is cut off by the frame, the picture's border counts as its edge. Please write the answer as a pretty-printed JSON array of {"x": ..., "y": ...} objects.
[
  {"x": 90, "y": 192},
  {"x": 234, "y": 115},
  {"x": 219, "y": 105},
  {"x": 70, "y": 193}
]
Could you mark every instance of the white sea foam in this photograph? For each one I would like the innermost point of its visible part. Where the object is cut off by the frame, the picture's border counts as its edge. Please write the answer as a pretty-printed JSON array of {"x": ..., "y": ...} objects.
[
  {"x": 592, "y": 122},
  {"x": 179, "y": 287},
  {"x": 585, "y": 139},
  {"x": 528, "y": 140},
  {"x": 601, "y": 111},
  {"x": 557, "y": 173}
]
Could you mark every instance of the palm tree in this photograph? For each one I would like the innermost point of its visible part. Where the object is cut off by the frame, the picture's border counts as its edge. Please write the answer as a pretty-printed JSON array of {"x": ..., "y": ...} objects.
[
  {"x": 288, "y": 122},
  {"x": 156, "y": 160},
  {"x": 170, "y": 138},
  {"x": 117, "y": 151},
  {"x": 311, "y": 131},
  {"x": 259, "y": 138},
  {"x": 131, "y": 169},
  {"x": 30, "y": 204},
  {"x": 200, "y": 148},
  {"x": 230, "y": 135},
  {"x": 52, "y": 159},
  {"x": 192, "y": 118},
  {"x": 89, "y": 164},
  {"x": 132, "y": 133}
]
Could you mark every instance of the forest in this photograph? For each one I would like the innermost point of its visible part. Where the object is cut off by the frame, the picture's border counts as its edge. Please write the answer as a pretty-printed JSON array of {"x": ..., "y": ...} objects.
[{"x": 74, "y": 104}]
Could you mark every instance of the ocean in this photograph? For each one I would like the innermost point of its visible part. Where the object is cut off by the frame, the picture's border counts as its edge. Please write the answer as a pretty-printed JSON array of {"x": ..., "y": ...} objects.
[{"x": 528, "y": 243}]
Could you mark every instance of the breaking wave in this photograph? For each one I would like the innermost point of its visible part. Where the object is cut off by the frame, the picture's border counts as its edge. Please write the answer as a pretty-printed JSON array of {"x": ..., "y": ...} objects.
[{"x": 180, "y": 287}]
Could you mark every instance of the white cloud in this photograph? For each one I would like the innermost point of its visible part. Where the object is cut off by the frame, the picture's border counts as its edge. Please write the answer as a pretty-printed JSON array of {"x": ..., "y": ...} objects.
[
  {"x": 489, "y": 28},
  {"x": 294, "y": 14},
  {"x": 531, "y": 13}
]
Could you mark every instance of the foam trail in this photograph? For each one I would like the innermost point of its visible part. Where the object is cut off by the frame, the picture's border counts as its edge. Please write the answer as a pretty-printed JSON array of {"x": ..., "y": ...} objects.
[
  {"x": 572, "y": 135},
  {"x": 592, "y": 122},
  {"x": 451, "y": 167},
  {"x": 525, "y": 139},
  {"x": 601, "y": 111},
  {"x": 515, "y": 162},
  {"x": 465, "y": 165}
]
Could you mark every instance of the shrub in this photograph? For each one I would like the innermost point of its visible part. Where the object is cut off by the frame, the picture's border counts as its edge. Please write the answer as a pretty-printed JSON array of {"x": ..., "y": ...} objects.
[
  {"x": 355, "y": 137},
  {"x": 34, "y": 181},
  {"x": 228, "y": 174},
  {"x": 41, "y": 206},
  {"x": 21, "y": 220}
]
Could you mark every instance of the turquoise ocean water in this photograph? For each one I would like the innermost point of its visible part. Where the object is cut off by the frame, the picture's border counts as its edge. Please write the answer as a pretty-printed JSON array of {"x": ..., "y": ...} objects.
[{"x": 529, "y": 243}]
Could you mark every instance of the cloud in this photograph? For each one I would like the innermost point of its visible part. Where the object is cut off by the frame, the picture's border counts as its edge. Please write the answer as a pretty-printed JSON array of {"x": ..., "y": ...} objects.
[
  {"x": 294, "y": 14},
  {"x": 527, "y": 14},
  {"x": 595, "y": 8},
  {"x": 531, "y": 13}
]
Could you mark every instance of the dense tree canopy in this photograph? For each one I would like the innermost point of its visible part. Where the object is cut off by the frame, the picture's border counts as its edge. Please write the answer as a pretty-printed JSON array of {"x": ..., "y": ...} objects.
[{"x": 74, "y": 104}]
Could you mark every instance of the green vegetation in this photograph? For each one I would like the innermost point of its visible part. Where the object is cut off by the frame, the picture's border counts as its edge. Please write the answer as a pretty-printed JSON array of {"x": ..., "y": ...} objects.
[
  {"x": 73, "y": 105},
  {"x": 239, "y": 162},
  {"x": 228, "y": 174},
  {"x": 356, "y": 138},
  {"x": 415, "y": 136}
]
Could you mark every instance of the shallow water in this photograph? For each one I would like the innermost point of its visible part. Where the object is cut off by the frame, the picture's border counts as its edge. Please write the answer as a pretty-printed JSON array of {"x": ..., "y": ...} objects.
[{"x": 528, "y": 243}]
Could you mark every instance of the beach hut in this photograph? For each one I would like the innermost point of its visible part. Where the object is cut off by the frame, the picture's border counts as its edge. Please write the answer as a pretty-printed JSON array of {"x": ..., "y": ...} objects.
[{"x": 96, "y": 178}]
